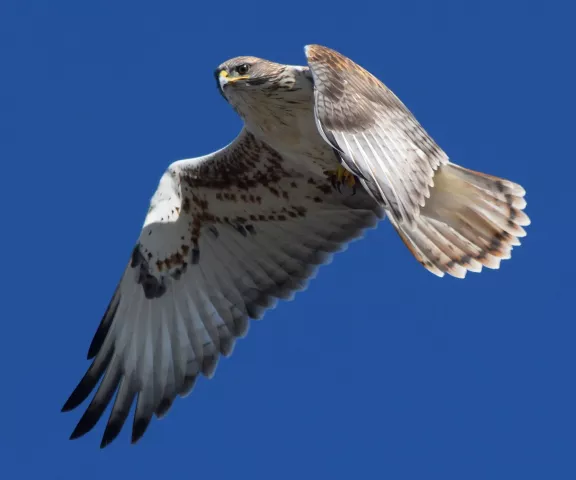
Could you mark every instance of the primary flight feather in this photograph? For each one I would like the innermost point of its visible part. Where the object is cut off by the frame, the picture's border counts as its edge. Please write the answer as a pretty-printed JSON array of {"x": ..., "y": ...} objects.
[{"x": 326, "y": 151}]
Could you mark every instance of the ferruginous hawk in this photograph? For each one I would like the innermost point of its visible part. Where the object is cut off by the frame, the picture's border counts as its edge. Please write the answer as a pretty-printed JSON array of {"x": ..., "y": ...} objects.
[{"x": 326, "y": 151}]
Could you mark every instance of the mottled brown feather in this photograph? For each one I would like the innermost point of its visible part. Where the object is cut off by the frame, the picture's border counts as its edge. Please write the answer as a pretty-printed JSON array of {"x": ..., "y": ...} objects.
[{"x": 380, "y": 140}]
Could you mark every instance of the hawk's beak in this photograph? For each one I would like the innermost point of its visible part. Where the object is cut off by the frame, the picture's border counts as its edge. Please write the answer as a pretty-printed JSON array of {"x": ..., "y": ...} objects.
[{"x": 224, "y": 78}]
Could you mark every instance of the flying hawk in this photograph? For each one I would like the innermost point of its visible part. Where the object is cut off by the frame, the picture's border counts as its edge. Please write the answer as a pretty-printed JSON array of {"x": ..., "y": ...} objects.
[{"x": 326, "y": 151}]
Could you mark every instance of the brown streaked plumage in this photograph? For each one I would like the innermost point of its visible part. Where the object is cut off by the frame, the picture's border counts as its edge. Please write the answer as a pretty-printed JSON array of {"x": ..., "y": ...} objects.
[
  {"x": 230, "y": 233},
  {"x": 368, "y": 122}
]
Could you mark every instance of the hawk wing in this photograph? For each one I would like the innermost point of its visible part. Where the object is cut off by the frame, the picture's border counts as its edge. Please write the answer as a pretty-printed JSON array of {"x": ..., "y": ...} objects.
[
  {"x": 379, "y": 140},
  {"x": 225, "y": 237}
]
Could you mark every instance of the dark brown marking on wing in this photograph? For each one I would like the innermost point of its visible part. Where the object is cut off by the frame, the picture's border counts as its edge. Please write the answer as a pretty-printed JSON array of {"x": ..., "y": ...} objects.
[{"x": 233, "y": 178}]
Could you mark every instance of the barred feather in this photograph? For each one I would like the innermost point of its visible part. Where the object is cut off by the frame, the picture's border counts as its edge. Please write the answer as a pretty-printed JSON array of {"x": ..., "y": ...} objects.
[{"x": 470, "y": 220}]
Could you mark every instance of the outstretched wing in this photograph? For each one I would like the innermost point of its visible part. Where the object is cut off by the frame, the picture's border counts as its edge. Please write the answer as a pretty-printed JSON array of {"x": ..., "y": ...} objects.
[
  {"x": 378, "y": 138},
  {"x": 225, "y": 237}
]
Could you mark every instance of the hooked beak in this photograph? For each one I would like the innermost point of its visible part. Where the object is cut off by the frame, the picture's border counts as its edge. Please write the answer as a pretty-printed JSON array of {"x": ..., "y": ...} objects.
[{"x": 224, "y": 78}]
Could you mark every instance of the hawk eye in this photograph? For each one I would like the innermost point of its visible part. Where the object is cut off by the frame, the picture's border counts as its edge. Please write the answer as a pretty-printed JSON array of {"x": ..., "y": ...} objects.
[{"x": 243, "y": 69}]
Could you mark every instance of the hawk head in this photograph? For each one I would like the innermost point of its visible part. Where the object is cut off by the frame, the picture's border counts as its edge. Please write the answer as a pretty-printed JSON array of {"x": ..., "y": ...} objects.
[
  {"x": 254, "y": 86},
  {"x": 247, "y": 74}
]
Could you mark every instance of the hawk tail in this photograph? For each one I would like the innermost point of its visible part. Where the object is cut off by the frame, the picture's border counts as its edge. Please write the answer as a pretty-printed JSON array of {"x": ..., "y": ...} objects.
[{"x": 470, "y": 220}]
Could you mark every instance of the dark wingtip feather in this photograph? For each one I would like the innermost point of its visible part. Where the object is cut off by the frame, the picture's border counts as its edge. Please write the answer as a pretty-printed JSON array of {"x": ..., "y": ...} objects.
[
  {"x": 120, "y": 412},
  {"x": 164, "y": 406},
  {"x": 97, "y": 405},
  {"x": 70, "y": 404},
  {"x": 112, "y": 430},
  {"x": 89, "y": 419},
  {"x": 139, "y": 428},
  {"x": 88, "y": 382},
  {"x": 85, "y": 424},
  {"x": 187, "y": 386},
  {"x": 104, "y": 326}
]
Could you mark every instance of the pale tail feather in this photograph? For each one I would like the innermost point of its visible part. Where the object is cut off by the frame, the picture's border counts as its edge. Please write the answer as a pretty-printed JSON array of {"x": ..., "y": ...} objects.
[{"x": 470, "y": 220}]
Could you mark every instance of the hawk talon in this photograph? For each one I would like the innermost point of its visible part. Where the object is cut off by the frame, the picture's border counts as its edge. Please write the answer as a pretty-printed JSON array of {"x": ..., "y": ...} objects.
[{"x": 342, "y": 176}]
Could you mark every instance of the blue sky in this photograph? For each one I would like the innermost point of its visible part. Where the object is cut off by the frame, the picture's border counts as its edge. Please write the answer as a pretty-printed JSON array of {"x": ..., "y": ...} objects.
[{"x": 379, "y": 369}]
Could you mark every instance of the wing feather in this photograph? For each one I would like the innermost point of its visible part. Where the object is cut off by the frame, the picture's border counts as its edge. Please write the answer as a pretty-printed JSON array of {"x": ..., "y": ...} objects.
[
  {"x": 379, "y": 139},
  {"x": 219, "y": 247}
]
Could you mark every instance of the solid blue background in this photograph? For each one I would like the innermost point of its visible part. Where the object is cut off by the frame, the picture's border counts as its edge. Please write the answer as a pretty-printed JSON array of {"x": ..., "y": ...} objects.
[{"x": 379, "y": 369}]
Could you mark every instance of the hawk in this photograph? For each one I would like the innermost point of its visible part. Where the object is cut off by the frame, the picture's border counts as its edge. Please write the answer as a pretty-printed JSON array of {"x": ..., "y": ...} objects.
[{"x": 326, "y": 152}]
